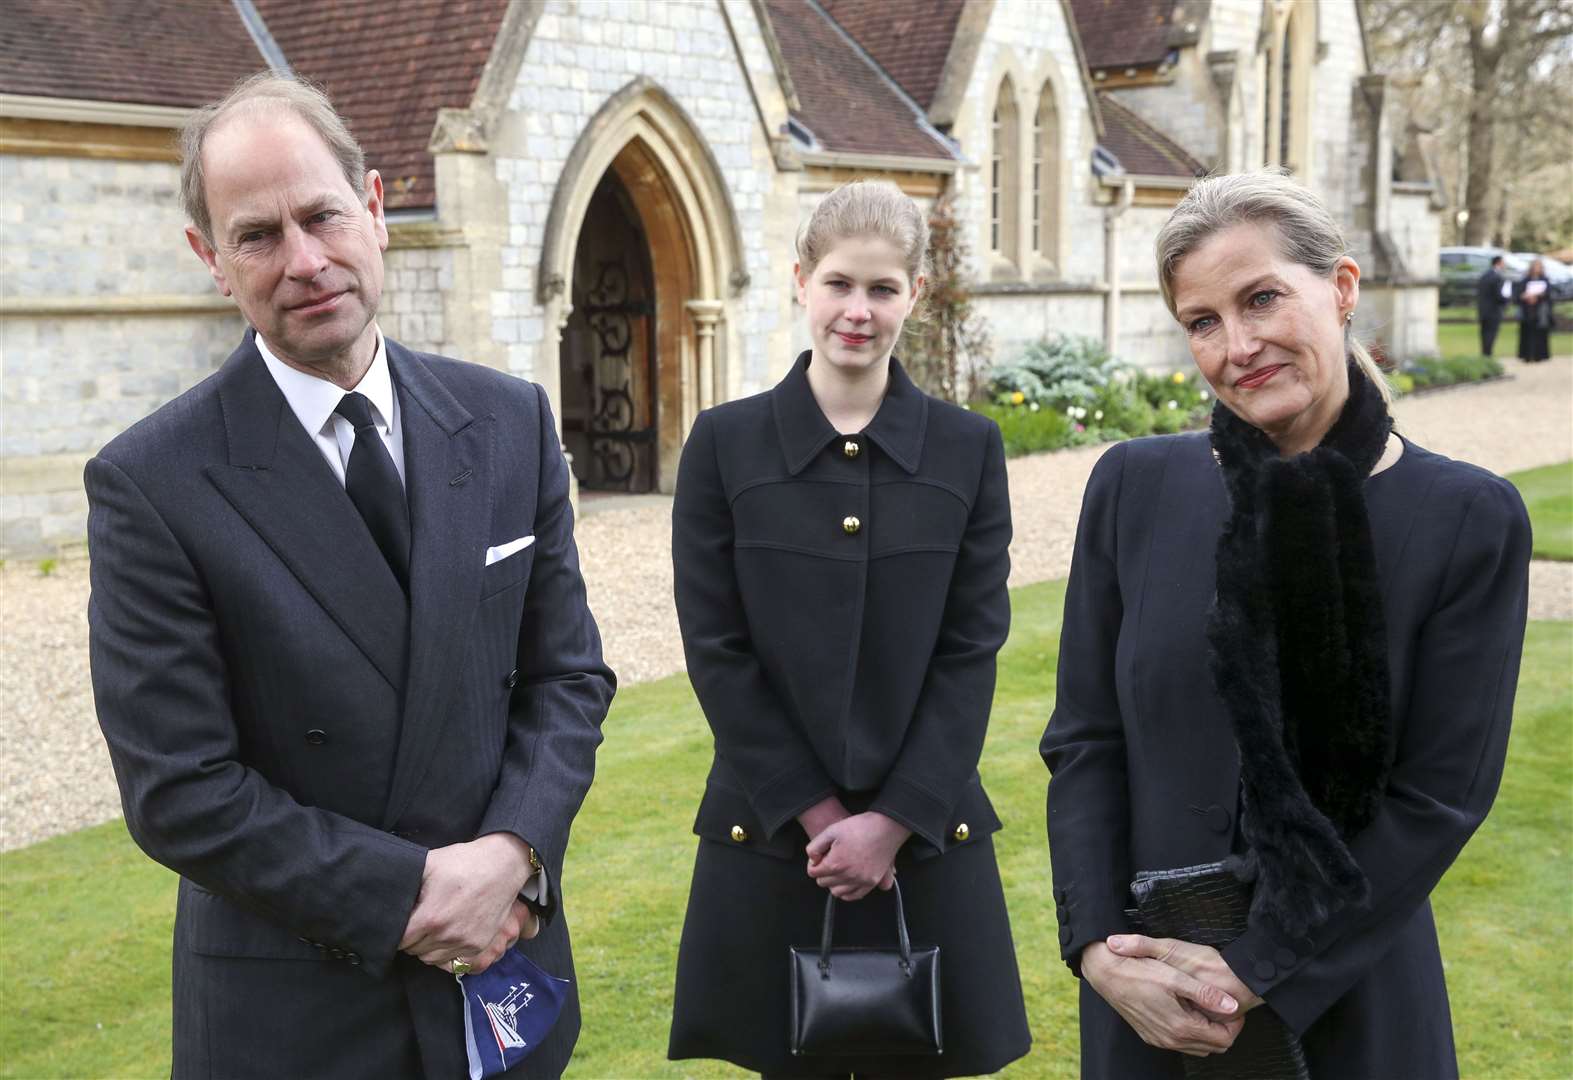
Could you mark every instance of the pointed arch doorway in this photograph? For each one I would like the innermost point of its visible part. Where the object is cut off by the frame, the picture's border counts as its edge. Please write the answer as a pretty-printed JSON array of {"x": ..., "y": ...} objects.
[{"x": 641, "y": 256}]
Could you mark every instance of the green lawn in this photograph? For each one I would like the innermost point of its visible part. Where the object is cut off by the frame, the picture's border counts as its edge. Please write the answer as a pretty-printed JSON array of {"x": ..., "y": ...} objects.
[
  {"x": 84, "y": 951},
  {"x": 1463, "y": 339},
  {"x": 1548, "y": 493}
]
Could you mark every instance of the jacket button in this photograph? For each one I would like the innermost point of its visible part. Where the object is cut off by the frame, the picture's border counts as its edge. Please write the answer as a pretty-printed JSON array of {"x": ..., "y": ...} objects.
[
  {"x": 512, "y": 680},
  {"x": 851, "y": 448},
  {"x": 850, "y": 525},
  {"x": 1265, "y": 969},
  {"x": 739, "y": 834},
  {"x": 353, "y": 958},
  {"x": 1065, "y": 935},
  {"x": 962, "y": 832},
  {"x": 1218, "y": 819},
  {"x": 316, "y": 736}
]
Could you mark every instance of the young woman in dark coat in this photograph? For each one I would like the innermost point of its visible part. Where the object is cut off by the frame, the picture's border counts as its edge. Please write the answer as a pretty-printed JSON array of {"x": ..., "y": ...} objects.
[
  {"x": 840, "y": 547},
  {"x": 1290, "y": 644},
  {"x": 1536, "y": 315}
]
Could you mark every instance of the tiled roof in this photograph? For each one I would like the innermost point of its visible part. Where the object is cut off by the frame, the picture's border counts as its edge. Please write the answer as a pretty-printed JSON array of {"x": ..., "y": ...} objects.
[
  {"x": 1123, "y": 33},
  {"x": 149, "y": 52},
  {"x": 845, "y": 101},
  {"x": 388, "y": 68},
  {"x": 910, "y": 40},
  {"x": 1140, "y": 147}
]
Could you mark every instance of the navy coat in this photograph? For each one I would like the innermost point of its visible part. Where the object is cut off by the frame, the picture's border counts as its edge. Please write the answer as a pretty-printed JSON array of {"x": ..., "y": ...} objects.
[{"x": 1146, "y": 775}]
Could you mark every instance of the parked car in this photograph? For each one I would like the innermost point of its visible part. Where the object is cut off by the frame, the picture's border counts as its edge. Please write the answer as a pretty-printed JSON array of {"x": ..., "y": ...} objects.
[
  {"x": 1462, "y": 267},
  {"x": 1559, "y": 275}
]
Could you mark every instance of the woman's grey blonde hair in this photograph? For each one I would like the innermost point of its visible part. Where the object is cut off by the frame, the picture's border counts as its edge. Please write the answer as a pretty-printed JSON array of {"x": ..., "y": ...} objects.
[
  {"x": 1306, "y": 231},
  {"x": 875, "y": 208},
  {"x": 266, "y": 90}
]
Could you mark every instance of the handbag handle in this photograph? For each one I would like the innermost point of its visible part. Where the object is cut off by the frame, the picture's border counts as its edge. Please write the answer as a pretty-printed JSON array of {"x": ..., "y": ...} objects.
[{"x": 904, "y": 942}]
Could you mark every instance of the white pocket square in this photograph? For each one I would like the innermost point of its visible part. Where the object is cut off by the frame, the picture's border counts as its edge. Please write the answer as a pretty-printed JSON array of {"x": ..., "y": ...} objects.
[{"x": 502, "y": 551}]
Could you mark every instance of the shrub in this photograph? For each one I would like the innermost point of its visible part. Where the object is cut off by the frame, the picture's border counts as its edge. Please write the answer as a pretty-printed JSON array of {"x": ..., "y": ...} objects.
[
  {"x": 1027, "y": 430},
  {"x": 1427, "y": 372}
]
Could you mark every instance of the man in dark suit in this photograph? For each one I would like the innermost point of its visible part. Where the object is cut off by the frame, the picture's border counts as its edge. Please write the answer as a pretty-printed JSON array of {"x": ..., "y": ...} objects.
[
  {"x": 340, "y": 647},
  {"x": 1489, "y": 303}
]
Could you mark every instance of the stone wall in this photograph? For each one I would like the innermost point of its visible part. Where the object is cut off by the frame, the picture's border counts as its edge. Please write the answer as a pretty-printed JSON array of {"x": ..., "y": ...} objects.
[
  {"x": 416, "y": 285},
  {"x": 105, "y": 314},
  {"x": 576, "y": 60}
]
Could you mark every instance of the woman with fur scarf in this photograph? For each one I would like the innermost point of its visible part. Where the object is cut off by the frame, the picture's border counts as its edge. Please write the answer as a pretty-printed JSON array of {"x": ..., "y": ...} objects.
[{"x": 1286, "y": 676}]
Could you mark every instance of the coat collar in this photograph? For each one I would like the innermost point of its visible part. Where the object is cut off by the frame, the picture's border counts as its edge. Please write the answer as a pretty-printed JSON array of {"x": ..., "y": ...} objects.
[{"x": 897, "y": 428}]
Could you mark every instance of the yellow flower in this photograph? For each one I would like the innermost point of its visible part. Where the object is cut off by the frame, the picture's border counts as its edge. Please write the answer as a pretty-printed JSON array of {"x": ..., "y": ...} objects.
[
  {"x": 1178, "y": 377},
  {"x": 1017, "y": 397}
]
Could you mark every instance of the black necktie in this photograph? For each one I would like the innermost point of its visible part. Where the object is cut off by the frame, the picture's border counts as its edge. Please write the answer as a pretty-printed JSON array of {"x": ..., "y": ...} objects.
[{"x": 374, "y": 488}]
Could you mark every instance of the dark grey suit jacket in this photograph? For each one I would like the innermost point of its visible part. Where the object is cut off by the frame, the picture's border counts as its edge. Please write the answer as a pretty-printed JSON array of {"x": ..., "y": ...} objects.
[{"x": 291, "y": 736}]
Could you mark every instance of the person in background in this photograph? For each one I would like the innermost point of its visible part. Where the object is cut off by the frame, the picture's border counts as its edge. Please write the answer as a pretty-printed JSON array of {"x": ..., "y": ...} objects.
[
  {"x": 840, "y": 545},
  {"x": 1492, "y": 291},
  {"x": 1536, "y": 315},
  {"x": 1290, "y": 645}
]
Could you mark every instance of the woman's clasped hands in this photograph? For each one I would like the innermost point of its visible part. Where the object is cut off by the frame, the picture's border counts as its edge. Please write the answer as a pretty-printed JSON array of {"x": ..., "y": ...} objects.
[
  {"x": 1176, "y": 995},
  {"x": 851, "y": 854}
]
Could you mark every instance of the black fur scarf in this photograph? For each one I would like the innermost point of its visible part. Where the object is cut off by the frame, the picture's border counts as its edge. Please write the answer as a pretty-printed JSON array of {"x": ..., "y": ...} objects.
[{"x": 1299, "y": 655}]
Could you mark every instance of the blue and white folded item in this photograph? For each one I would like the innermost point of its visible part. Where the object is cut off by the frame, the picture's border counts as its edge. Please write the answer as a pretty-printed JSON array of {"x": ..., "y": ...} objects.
[{"x": 509, "y": 1009}]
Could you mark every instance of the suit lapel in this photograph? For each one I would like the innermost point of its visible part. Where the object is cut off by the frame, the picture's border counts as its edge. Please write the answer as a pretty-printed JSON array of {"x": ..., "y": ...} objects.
[
  {"x": 447, "y": 460},
  {"x": 276, "y": 479}
]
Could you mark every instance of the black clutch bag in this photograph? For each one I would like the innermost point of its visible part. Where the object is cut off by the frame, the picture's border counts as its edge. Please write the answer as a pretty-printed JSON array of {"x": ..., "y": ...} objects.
[
  {"x": 852, "y": 1002},
  {"x": 1209, "y": 905}
]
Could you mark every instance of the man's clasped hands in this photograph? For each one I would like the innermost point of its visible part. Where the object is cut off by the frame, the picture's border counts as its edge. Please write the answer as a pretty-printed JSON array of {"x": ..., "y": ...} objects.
[
  {"x": 1176, "y": 995},
  {"x": 469, "y": 907}
]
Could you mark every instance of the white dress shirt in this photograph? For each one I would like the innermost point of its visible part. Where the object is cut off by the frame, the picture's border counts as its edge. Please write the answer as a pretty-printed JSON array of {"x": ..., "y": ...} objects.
[{"x": 312, "y": 399}]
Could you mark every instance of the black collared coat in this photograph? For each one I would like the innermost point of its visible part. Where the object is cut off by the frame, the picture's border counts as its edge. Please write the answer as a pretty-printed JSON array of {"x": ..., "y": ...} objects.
[{"x": 842, "y": 599}]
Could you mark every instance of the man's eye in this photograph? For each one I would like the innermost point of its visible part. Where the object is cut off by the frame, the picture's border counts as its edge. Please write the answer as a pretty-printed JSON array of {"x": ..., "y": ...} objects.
[
  {"x": 252, "y": 237},
  {"x": 319, "y": 218},
  {"x": 1263, "y": 298}
]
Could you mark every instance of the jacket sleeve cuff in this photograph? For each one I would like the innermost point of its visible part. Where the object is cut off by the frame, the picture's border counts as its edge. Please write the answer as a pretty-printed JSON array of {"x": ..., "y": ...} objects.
[
  {"x": 1084, "y": 920},
  {"x": 788, "y": 794},
  {"x": 1266, "y": 963},
  {"x": 919, "y": 809}
]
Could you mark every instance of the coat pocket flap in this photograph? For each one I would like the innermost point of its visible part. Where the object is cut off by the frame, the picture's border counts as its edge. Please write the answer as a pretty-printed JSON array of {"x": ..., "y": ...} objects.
[{"x": 212, "y": 926}]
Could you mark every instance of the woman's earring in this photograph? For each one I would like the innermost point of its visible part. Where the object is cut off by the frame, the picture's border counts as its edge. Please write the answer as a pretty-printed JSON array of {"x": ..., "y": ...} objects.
[{"x": 1349, "y": 316}]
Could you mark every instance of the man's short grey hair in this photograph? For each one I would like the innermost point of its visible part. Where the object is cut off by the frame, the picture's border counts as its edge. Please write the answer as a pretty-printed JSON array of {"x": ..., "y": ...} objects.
[{"x": 266, "y": 90}]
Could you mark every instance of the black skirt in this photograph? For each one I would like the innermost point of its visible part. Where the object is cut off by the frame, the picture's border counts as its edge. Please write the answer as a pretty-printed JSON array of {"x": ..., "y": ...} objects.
[{"x": 747, "y": 909}]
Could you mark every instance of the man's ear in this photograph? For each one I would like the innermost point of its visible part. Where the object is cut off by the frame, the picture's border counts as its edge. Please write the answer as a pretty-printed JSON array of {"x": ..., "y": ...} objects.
[
  {"x": 208, "y": 256},
  {"x": 374, "y": 207}
]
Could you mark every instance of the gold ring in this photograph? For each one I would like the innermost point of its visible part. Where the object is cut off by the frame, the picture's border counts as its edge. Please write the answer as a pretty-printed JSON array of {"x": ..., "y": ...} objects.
[{"x": 459, "y": 966}]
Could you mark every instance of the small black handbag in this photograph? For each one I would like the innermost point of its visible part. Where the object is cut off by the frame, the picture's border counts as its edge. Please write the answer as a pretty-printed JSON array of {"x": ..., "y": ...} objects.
[
  {"x": 850, "y": 1002},
  {"x": 1209, "y": 905}
]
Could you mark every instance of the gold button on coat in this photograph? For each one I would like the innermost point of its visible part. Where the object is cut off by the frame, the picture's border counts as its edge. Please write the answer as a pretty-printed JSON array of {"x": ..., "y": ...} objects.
[
  {"x": 962, "y": 832},
  {"x": 851, "y": 525},
  {"x": 739, "y": 834},
  {"x": 851, "y": 449}
]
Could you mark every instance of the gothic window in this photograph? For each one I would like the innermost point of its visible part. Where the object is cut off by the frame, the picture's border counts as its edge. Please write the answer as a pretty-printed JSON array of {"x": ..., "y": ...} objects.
[
  {"x": 1045, "y": 176},
  {"x": 1004, "y": 167}
]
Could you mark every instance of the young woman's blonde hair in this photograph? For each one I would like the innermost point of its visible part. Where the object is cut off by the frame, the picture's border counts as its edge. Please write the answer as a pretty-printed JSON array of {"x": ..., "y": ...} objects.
[
  {"x": 875, "y": 208},
  {"x": 1306, "y": 231}
]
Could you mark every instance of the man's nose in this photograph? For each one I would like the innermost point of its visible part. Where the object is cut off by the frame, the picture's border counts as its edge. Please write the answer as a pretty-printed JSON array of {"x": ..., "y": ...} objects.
[{"x": 303, "y": 255}]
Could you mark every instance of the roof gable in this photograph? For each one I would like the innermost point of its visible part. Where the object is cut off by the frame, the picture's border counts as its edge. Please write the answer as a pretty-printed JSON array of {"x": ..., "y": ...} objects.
[
  {"x": 389, "y": 68},
  {"x": 844, "y": 99},
  {"x": 911, "y": 40},
  {"x": 147, "y": 52},
  {"x": 1135, "y": 33},
  {"x": 1141, "y": 148}
]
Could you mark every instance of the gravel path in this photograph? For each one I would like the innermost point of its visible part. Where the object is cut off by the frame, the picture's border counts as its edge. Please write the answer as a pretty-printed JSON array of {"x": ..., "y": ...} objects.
[{"x": 54, "y": 769}]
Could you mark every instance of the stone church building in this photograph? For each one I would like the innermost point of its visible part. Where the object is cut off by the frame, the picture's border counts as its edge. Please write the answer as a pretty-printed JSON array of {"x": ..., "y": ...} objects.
[{"x": 602, "y": 195}]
